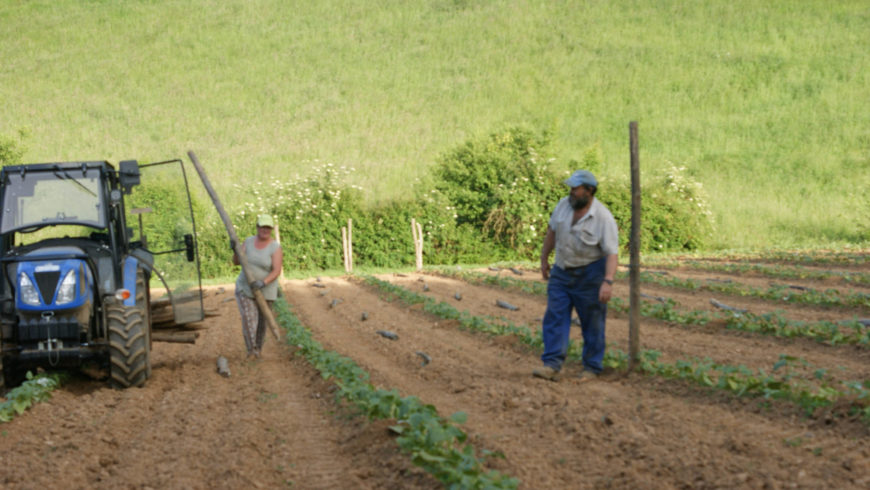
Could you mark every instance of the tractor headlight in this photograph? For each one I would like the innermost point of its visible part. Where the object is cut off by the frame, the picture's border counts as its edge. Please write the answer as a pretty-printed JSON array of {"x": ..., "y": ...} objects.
[
  {"x": 67, "y": 291},
  {"x": 27, "y": 290}
]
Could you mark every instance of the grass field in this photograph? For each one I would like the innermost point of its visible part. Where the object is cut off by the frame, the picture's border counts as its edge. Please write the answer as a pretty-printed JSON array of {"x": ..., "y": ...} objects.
[{"x": 766, "y": 103}]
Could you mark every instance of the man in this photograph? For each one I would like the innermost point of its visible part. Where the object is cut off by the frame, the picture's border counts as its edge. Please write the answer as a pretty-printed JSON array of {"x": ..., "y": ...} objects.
[{"x": 585, "y": 236}]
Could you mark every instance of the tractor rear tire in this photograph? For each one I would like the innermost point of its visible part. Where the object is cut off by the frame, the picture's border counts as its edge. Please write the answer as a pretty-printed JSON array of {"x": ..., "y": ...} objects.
[{"x": 129, "y": 355}]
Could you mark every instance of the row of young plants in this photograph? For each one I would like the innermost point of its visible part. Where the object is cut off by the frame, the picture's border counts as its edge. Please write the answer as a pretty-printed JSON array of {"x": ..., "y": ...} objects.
[
  {"x": 820, "y": 392},
  {"x": 33, "y": 390},
  {"x": 435, "y": 444},
  {"x": 847, "y": 332},
  {"x": 776, "y": 292},
  {"x": 840, "y": 257},
  {"x": 778, "y": 271}
]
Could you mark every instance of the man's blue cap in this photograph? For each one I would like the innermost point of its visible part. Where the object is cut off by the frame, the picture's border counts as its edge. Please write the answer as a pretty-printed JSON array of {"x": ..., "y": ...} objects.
[{"x": 581, "y": 177}]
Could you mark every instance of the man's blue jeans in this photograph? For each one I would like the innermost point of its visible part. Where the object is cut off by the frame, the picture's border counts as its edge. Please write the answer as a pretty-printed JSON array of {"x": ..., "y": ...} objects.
[{"x": 575, "y": 289}]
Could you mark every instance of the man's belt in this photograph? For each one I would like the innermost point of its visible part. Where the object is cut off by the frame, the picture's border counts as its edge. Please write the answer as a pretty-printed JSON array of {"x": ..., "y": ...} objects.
[{"x": 578, "y": 268}]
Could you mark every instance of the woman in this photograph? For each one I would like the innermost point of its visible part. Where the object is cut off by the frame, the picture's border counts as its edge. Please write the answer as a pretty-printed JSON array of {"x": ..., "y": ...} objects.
[{"x": 265, "y": 258}]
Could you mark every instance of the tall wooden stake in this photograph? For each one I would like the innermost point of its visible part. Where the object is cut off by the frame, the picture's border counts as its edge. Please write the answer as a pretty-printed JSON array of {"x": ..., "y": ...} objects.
[
  {"x": 634, "y": 250},
  {"x": 349, "y": 245},
  {"x": 417, "y": 233},
  {"x": 231, "y": 231},
  {"x": 344, "y": 249},
  {"x": 278, "y": 239}
]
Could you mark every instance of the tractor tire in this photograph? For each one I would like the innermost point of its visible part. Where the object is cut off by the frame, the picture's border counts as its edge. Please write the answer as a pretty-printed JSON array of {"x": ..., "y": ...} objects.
[
  {"x": 129, "y": 355},
  {"x": 10, "y": 378},
  {"x": 143, "y": 301}
]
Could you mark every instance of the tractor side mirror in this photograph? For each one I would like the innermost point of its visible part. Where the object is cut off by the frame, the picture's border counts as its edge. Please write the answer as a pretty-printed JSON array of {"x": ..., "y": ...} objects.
[
  {"x": 188, "y": 244},
  {"x": 128, "y": 174}
]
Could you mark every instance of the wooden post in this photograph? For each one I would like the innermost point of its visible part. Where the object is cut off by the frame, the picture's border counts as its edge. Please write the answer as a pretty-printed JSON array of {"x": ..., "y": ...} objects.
[
  {"x": 414, "y": 237},
  {"x": 278, "y": 239},
  {"x": 349, "y": 245},
  {"x": 344, "y": 248},
  {"x": 231, "y": 231},
  {"x": 420, "y": 246},
  {"x": 417, "y": 233},
  {"x": 634, "y": 250}
]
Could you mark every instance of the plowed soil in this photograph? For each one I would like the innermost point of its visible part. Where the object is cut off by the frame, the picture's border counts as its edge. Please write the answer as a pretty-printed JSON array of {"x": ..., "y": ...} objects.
[{"x": 274, "y": 422}]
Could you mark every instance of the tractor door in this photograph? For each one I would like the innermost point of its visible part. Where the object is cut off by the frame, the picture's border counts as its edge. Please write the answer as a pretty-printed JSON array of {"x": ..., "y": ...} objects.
[{"x": 160, "y": 217}]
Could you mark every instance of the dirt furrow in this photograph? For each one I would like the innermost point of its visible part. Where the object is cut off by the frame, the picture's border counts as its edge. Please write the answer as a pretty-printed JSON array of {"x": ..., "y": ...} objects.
[
  {"x": 755, "y": 351},
  {"x": 614, "y": 432},
  {"x": 700, "y": 299},
  {"x": 266, "y": 426}
]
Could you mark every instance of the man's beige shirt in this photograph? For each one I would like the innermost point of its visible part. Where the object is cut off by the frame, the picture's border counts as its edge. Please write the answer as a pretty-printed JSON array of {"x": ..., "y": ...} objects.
[{"x": 592, "y": 237}]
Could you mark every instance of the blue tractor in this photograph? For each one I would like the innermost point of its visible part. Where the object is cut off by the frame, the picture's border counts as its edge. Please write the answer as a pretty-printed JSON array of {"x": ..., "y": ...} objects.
[{"x": 75, "y": 276}]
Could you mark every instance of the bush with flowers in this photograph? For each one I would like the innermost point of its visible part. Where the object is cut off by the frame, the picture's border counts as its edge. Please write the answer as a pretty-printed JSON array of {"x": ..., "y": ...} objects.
[
  {"x": 675, "y": 215},
  {"x": 312, "y": 210},
  {"x": 502, "y": 184}
]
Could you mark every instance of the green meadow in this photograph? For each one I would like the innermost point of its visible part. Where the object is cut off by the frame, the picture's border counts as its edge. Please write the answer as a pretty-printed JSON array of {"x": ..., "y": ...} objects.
[{"x": 766, "y": 103}]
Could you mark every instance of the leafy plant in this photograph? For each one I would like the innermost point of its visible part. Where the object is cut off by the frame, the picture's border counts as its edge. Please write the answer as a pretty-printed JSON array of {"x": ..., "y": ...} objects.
[{"x": 35, "y": 389}]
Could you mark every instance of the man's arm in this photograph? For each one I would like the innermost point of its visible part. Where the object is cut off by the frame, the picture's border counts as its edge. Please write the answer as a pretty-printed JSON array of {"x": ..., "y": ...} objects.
[
  {"x": 609, "y": 272},
  {"x": 546, "y": 249}
]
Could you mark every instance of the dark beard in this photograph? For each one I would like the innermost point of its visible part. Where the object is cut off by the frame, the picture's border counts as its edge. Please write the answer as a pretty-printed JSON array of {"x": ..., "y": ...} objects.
[{"x": 578, "y": 202}]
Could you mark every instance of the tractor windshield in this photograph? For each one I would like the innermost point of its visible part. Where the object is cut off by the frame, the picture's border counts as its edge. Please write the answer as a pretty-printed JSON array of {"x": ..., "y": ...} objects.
[{"x": 61, "y": 196}]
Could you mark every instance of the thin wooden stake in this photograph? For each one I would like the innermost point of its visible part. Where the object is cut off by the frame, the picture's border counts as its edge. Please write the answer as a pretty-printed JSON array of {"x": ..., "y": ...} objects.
[
  {"x": 634, "y": 250},
  {"x": 417, "y": 233},
  {"x": 419, "y": 246},
  {"x": 414, "y": 237},
  {"x": 344, "y": 248},
  {"x": 349, "y": 245},
  {"x": 278, "y": 239}
]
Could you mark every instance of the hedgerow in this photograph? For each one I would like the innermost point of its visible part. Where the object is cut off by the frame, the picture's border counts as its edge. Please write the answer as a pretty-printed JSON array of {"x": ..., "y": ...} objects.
[{"x": 489, "y": 199}]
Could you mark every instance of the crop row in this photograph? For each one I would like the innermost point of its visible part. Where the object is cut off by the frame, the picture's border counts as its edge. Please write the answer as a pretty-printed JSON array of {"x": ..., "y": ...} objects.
[
  {"x": 435, "y": 444},
  {"x": 780, "y": 383},
  {"x": 849, "y": 332},
  {"x": 33, "y": 390},
  {"x": 840, "y": 257},
  {"x": 768, "y": 270},
  {"x": 776, "y": 292}
]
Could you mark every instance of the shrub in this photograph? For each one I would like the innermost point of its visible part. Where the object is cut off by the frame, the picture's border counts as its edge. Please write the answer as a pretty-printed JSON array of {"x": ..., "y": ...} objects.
[
  {"x": 502, "y": 184},
  {"x": 310, "y": 212},
  {"x": 674, "y": 211},
  {"x": 12, "y": 148}
]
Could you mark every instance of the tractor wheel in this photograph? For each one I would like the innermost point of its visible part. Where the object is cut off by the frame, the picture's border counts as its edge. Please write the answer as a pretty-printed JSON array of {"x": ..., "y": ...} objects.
[
  {"x": 129, "y": 355},
  {"x": 10, "y": 378},
  {"x": 143, "y": 301}
]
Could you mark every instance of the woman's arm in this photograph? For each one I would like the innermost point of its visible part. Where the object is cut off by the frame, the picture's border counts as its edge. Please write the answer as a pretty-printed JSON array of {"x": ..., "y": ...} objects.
[{"x": 277, "y": 265}]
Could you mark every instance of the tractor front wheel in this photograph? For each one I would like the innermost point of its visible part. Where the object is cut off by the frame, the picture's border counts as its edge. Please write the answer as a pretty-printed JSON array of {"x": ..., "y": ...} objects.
[
  {"x": 129, "y": 354},
  {"x": 10, "y": 378}
]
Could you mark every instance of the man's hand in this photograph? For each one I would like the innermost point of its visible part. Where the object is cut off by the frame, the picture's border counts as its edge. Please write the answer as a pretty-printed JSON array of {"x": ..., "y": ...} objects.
[
  {"x": 232, "y": 245},
  {"x": 257, "y": 285},
  {"x": 545, "y": 269},
  {"x": 605, "y": 292}
]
